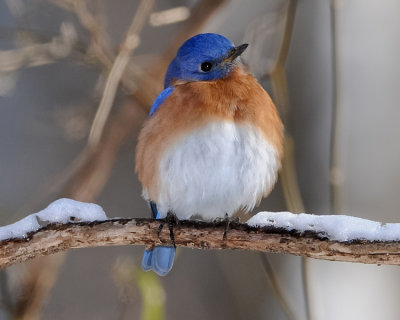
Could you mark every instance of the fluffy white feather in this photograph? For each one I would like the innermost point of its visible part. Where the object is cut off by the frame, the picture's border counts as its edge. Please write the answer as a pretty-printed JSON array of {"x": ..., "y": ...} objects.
[{"x": 216, "y": 170}]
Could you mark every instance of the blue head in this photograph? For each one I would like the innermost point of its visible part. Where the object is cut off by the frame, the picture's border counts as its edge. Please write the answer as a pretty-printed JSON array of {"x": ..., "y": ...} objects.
[{"x": 207, "y": 56}]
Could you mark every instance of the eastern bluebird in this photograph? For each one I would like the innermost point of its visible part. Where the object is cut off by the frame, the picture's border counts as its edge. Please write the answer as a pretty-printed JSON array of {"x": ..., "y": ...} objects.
[{"x": 213, "y": 142}]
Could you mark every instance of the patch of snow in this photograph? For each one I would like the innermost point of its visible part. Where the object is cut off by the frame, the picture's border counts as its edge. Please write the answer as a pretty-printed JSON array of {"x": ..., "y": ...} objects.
[
  {"x": 334, "y": 227},
  {"x": 59, "y": 211}
]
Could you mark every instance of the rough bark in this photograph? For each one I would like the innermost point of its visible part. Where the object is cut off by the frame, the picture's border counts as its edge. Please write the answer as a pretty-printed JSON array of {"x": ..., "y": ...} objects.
[{"x": 193, "y": 234}]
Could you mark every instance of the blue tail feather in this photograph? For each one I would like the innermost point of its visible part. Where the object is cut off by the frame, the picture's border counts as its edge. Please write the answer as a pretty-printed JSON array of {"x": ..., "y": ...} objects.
[
  {"x": 146, "y": 261},
  {"x": 160, "y": 259}
]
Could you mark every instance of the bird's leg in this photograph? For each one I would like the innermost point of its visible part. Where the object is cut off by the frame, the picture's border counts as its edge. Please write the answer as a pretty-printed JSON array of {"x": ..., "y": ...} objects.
[
  {"x": 227, "y": 222},
  {"x": 172, "y": 220},
  {"x": 160, "y": 227}
]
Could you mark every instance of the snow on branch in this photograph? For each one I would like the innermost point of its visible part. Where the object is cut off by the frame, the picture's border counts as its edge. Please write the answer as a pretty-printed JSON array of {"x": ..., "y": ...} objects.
[{"x": 67, "y": 224}]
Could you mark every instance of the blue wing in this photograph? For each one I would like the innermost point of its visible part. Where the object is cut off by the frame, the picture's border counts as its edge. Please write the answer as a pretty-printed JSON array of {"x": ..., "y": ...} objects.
[
  {"x": 160, "y": 258},
  {"x": 160, "y": 99}
]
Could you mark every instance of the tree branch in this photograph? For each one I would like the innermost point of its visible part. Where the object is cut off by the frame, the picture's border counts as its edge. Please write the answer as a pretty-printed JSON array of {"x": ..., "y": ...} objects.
[{"x": 194, "y": 234}]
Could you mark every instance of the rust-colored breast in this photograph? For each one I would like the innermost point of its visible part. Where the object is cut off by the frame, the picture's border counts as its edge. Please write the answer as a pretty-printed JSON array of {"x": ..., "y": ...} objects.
[{"x": 237, "y": 98}]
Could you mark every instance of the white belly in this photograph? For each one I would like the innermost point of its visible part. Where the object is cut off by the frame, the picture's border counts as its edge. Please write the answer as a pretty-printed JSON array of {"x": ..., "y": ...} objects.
[{"x": 215, "y": 171}]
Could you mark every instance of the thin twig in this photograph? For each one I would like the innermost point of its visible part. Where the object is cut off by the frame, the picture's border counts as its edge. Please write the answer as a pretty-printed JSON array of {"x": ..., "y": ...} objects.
[
  {"x": 334, "y": 180},
  {"x": 276, "y": 287},
  {"x": 7, "y": 303},
  {"x": 130, "y": 43},
  {"x": 98, "y": 36},
  {"x": 39, "y": 54},
  {"x": 290, "y": 184},
  {"x": 42, "y": 275}
]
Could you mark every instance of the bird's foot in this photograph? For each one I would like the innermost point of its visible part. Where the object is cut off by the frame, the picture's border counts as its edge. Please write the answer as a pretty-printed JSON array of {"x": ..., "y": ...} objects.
[
  {"x": 160, "y": 227},
  {"x": 227, "y": 222},
  {"x": 171, "y": 221}
]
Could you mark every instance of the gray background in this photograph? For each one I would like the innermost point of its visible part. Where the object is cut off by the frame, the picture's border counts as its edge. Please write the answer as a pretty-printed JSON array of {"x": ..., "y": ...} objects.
[{"x": 37, "y": 143}]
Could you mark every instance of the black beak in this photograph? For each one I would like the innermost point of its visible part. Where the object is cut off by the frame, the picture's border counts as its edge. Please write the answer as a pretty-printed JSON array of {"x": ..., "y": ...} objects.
[{"x": 237, "y": 51}]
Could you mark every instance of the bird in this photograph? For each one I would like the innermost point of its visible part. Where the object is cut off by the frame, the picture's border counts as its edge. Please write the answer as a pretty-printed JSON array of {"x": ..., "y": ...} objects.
[{"x": 213, "y": 142}]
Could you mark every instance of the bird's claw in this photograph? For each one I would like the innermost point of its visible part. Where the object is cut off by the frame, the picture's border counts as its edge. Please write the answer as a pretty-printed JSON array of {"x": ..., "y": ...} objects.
[
  {"x": 172, "y": 221},
  {"x": 226, "y": 221}
]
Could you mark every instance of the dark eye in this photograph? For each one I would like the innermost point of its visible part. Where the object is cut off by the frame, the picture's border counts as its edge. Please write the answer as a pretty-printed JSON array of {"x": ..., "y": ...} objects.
[{"x": 206, "y": 66}]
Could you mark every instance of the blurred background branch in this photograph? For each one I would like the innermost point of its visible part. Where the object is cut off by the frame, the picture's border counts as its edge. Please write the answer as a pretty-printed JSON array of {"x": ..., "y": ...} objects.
[
  {"x": 331, "y": 68},
  {"x": 131, "y": 42},
  {"x": 335, "y": 176},
  {"x": 40, "y": 54}
]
